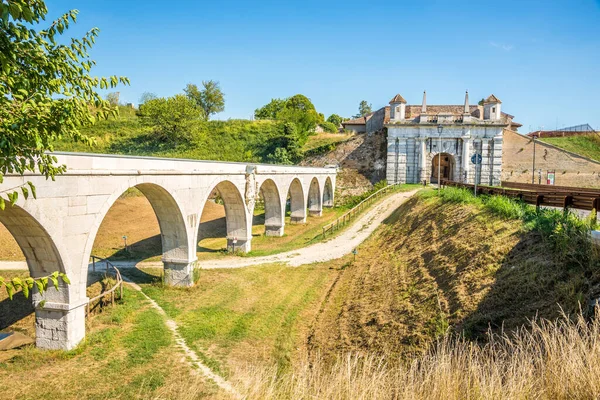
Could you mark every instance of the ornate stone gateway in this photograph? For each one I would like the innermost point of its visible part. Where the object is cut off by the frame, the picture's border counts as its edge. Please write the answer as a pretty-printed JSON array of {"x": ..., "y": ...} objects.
[{"x": 418, "y": 134}]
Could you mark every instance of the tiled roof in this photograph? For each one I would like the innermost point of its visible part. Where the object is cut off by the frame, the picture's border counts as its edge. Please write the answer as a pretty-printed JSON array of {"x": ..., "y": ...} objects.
[
  {"x": 492, "y": 99},
  {"x": 356, "y": 121},
  {"x": 398, "y": 99}
]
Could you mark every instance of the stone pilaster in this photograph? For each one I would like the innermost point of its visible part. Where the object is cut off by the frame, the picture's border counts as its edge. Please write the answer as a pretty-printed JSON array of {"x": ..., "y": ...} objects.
[
  {"x": 242, "y": 245},
  {"x": 60, "y": 326},
  {"x": 274, "y": 230},
  {"x": 179, "y": 272}
]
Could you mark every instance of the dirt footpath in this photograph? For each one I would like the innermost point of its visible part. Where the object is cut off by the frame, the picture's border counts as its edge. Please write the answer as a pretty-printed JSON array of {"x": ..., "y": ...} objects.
[
  {"x": 324, "y": 251},
  {"x": 332, "y": 249}
]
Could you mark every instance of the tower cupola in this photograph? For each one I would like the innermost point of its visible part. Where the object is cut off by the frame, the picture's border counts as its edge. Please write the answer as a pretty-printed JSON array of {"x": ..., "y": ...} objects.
[
  {"x": 492, "y": 108},
  {"x": 397, "y": 108}
]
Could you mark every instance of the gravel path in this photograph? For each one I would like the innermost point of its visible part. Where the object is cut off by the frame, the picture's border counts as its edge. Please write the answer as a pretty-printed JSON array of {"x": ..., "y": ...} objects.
[
  {"x": 337, "y": 247},
  {"x": 332, "y": 249}
]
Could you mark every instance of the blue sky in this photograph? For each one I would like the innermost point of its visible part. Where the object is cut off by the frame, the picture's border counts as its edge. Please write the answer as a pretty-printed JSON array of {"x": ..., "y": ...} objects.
[{"x": 541, "y": 58}]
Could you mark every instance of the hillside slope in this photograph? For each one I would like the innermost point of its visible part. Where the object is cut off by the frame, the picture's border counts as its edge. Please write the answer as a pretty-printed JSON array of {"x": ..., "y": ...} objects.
[
  {"x": 435, "y": 266},
  {"x": 586, "y": 145},
  {"x": 361, "y": 160}
]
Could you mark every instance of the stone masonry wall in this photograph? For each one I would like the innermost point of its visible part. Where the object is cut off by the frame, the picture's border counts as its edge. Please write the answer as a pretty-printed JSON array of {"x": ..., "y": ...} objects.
[{"x": 571, "y": 169}]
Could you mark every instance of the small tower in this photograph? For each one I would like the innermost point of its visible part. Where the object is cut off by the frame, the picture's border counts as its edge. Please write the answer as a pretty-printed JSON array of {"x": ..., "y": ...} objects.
[
  {"x": 424, "y": 106},
  {"x": 492, "y": 108},
  {"x": 467, "y": 109},
  {"x": 397, "y": 108}
]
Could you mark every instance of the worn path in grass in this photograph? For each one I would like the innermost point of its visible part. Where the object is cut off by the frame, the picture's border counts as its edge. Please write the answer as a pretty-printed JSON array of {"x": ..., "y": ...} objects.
[{"x": 189, "y": 353}]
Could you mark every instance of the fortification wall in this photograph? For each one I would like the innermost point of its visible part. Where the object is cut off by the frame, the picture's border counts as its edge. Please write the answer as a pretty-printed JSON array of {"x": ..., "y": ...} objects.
[{"x": 571, "y": 169}]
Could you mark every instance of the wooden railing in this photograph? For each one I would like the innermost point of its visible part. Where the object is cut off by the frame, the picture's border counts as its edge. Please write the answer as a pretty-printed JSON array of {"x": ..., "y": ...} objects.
[
  {"x": 343, "y": 220},
  {"x": 110, "y": 269},
  {"x": 561, "y": 196}
]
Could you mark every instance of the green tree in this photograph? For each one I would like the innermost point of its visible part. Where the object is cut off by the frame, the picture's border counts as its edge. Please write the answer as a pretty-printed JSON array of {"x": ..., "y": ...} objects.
[
  {"x": 210, "y": 98},
  {"x": 364, "y": 108},
  {"x": 270, "y": 110},
  {"x": 287, "y": 147},
  {"x": 335, "y": 119},
  {"x": 297, "y": 109},
  {"x": 172, "y": 118},
  {"x": 46, "y": 91},
  {"x": 300, "y": 111}
]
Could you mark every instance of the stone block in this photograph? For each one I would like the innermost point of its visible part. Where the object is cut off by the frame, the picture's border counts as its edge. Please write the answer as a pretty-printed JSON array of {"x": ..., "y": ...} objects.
[
  {"x": 179, "y": 273},
  {"x": 274, "y": 230}
]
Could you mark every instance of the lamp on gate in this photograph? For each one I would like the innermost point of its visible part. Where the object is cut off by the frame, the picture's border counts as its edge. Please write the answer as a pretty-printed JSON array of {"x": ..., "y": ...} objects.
[{"x": 440, "y": 129}]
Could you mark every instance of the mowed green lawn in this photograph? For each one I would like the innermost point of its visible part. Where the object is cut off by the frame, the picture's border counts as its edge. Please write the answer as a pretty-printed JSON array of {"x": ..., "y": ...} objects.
[
  {"x": 587, "y": 146},
  {"x": 129, "y": 353},
  {"x": 247, "y": 316}
]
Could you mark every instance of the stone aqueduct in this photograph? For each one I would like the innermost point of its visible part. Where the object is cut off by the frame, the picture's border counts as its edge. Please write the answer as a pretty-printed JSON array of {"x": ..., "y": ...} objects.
[{"x": 56, "y": 231}]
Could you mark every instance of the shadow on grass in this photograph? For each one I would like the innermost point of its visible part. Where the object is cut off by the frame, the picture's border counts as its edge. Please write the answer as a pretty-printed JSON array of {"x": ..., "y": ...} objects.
[
  {"x": 139, "y": 276},
  {"x": 12, "y": 311}
]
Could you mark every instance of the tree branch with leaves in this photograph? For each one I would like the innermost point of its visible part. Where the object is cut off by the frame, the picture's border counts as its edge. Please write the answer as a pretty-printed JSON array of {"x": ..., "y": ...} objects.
[{"x": 46, "y": 91}]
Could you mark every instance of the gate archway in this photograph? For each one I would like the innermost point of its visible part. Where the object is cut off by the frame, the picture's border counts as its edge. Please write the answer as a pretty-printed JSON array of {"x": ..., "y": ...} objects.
[{"x": 445, "y": 163}]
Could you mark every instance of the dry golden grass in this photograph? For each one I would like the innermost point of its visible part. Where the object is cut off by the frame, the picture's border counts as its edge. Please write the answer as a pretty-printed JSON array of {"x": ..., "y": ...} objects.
[{"x": 551, "y": 360}]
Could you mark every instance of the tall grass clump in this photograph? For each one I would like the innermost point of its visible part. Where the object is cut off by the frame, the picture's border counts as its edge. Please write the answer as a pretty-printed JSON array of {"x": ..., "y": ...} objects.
[{"x": 549, "y": 360}]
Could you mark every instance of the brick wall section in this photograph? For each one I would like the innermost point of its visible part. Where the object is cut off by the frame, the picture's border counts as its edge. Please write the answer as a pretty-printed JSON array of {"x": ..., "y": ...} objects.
[{"x": 571, "y": 169}]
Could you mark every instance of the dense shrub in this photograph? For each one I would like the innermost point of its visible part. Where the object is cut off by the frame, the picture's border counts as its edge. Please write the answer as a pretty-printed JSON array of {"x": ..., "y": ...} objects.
[
  {"x": 329, "y": 127},
  {"x": 172, "y": 118}
]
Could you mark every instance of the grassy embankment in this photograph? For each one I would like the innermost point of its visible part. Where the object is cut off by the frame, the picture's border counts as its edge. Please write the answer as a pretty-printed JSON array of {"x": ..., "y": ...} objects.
[
  {"x": 437, "y": 266},
  {"x": 231, "y": 140},
  {"x": 587, "y": 146}
]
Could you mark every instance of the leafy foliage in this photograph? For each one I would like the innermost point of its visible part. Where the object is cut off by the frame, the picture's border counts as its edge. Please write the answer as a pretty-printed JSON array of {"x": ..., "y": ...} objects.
[
  {"x": 46, "y": 91},
  {"x": 329, "y": 127},
  {"x": 27, "y": 284},
  {"x": 172, "y": 118},
  {"x": 210, "y": 98},
  {"x": 297, "y": 109},
  {"x": 335, "y": 119},
  {"x": 270, "y": 110}
]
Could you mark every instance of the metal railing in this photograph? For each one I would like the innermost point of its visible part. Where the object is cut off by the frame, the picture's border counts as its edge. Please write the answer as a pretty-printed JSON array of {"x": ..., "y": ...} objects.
[
  {"x": 343, "y": 220},
  {"x": 541, "y": 195},
  {"x": 110, "y": 268}
]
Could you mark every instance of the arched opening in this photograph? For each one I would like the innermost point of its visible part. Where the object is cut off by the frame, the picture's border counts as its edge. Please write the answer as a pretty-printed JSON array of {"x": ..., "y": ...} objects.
[
  {"x": 23, "y": 238},
  {"x": 444, "y": 163},
  {"x": 315, "y": 207},
  {"x": 295, "y": 201},
  {"x": 223, "y": 222},
  {"x": 271, "y": 203},
  {"x": 144, "y": 223},
  {"x": 328, "y": 193}
]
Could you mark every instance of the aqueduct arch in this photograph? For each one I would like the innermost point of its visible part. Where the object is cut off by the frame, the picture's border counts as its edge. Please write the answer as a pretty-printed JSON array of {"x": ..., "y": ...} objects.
[
  {"x": 236, "y": 216},
  {"x": 297, "y": 202},
  {"x": 328, "y": 193},
  {"x": 274, "y": 210},
  {"x": 44, "y": 258},
  {"x": 176, "y": 249},
  {"x": 315, "y": 207},
  {"x": 56, "y": 231}
]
